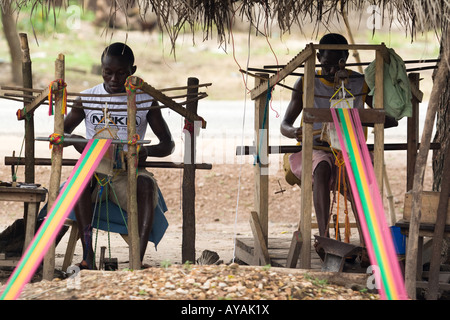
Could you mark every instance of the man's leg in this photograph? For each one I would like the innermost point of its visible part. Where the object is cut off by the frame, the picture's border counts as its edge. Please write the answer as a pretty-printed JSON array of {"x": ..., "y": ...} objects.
[
  {"x": 84, "y": 214},
  {"x": 146, "y": 188},
  {"x": 321, "y": 195}
]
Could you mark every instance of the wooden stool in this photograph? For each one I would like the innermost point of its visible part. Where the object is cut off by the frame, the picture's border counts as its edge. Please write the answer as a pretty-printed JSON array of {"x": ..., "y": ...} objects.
[
  {"x": 425, "y": 230},
  {"x": 31, "y": 196}
]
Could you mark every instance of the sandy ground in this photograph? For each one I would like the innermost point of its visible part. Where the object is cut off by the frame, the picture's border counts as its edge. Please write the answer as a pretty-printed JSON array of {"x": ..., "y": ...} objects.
[{"x": 220, "y": 216}]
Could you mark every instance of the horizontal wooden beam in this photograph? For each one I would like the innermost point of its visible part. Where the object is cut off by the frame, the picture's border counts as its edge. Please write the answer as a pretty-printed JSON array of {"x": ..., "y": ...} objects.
[
  {"x": 83, "y": 140},
  {"x": 12, "y": 161},
  {"x": 247, "y": 150},
  {"x": 290, "y": 67},
  {"x": 22, "y": 194},
  {"x": 259, "y": 239},
  {"x": 178, "y": 108},
  {"x": 79, "y": 94},
  {"x": 33, "y": 105},
  {"x": 311, "y": 115},
  {"x": 349, "y": 46}
]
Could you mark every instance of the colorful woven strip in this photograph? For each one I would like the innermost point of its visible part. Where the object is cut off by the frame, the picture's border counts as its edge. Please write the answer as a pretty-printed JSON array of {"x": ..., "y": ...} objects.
[
  {"x": 131, "y": 88},
  {"x": 369, "y": 204},
  {"x": 63, "y": 95},
  {"x": 64, "y": 203},
  {"x": 56, "y": 139}
]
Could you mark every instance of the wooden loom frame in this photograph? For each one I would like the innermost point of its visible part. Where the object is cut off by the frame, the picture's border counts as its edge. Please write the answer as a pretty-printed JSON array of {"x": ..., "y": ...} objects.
[
  {"x": 259, "y": 218},
  {"x": 260, "y": 251},
  {"x": 189, "y": 166}
]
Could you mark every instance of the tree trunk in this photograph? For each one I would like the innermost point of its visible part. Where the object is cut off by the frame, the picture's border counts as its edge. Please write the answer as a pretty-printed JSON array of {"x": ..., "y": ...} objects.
[
  {"x": 442, "y": 135},
  {"x": 12, "y": 37}
]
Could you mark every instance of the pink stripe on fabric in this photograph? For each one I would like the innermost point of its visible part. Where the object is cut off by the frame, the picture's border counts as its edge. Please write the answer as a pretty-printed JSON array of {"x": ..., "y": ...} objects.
[
  {"x": 91, "y": 171},
  {"x": 387, "y": 237},
  {"x": 62, "y": 218},
  {"x": 356, "y": 197}
]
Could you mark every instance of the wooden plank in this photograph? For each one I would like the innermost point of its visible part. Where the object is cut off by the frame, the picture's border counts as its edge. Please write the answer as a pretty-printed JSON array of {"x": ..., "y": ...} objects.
[
  {"x": 378, "y": 152},
  {"x": 259, "y": 239},
  {"x": 425, "y": 229},
  {"x": 246, "y": 150},
  {"x": 9, "y": 262},
  {"x": 294, "y": 250},
  {"x": 412, "y": 133},
  {"x": 283, "y": 73},
  {"x": 132, "y": 158},
  {"x": 22, "y": 194},
  {"x": 277, "y": 247},
  {"x": 55, "y": 174},
  {"x": 244, "y": 254},
  {"x": 306, "y": 185},
  {"x": 30, "y": 224},
  {"x": 261, "y": 168},
  {"x": 188, "y": 185},
  {"x": 438, "y": 237},
  {"x": 311, "y": 115},
  {"x": 429, "y": 207},
  {"x": 71, "y": 244},
  {"x": 178, "y": 108},
  {"x": 419, "y": 172},
  {"x": 71, "y": 162},
  {"x": 425, "y": 285},
  {"x": 348, "y": 46},
  {"x": 37, "y": 101}
]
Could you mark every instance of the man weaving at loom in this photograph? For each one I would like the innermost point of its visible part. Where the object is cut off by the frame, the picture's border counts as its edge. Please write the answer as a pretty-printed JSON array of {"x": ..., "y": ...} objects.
[
  {"x": 328, "y": 81},
  {"x": 117, "y": 65}
]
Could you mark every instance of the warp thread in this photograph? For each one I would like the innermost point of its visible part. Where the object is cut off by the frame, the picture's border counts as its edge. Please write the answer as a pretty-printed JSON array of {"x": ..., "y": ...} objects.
[
  {"x": 56, "y": 139},
  {"x": 62, "y": 91}
]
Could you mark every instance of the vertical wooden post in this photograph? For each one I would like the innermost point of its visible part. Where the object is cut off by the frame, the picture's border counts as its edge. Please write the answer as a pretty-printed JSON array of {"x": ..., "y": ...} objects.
[
  {"x": 412, "y": 134},
  {"x": 55, "y": 175},
  {"x": 419, "y": 173},
  {"x": 307, "y": 147},
  {"x": 379, "y": 127},
  {"x": 438, "y": 235},
  {"x": 132, "y": 212},
  {"x": 27, "y": 78},
  {"x": 188, "y": 187},
  {"x": 27, "y": 81},
  {"x": 261, "y": 166}
]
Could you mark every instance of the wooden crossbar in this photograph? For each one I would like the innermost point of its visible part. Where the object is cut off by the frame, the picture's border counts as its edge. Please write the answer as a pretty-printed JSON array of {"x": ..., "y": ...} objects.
[
  {"x": 158, "y": 95},
  {"x": 37, "y": 101},
  {"x": 13, "y": 161},
  {"x": 290, "y": 67}
]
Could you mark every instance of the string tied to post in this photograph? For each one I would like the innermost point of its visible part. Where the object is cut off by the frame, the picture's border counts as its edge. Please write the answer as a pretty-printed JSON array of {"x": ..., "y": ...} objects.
[
  {"x": 56, "y": 139},
  {"x": 134, "y": 142},
  {"x": 132, "y": 88},
  {"x": 62, "y": 91}
]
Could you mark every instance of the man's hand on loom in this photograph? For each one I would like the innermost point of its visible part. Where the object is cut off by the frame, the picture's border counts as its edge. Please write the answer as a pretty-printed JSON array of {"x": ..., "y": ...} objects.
[
  {"x": 143, "y": 154},
  {"x": 79, "y": 146},
  {"x": 390, "y": 122},
  {"x": 298, "y": 133}
]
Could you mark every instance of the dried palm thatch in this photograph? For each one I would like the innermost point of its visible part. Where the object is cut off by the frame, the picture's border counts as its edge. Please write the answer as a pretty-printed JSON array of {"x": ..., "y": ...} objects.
[{"x": 175, "y": 16}]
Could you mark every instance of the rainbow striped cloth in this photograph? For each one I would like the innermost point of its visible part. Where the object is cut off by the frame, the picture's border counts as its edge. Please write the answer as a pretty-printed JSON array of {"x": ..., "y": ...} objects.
[
  {"x": 369, "y": 204},
  {"x": 44, "y": 237}
]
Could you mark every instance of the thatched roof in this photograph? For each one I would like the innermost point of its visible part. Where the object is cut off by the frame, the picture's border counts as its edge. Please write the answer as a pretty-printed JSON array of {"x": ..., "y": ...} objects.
[{"x": 216, "y": 16}]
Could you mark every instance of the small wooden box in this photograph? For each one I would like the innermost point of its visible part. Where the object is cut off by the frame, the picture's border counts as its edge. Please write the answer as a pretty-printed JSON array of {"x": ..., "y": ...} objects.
[{"x": 430, "y": 203}]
